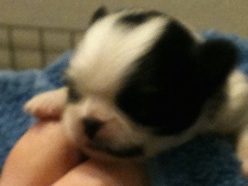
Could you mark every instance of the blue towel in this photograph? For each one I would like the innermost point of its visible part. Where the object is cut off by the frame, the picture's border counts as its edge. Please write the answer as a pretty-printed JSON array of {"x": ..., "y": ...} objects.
[{"x": 206, "y": 161}]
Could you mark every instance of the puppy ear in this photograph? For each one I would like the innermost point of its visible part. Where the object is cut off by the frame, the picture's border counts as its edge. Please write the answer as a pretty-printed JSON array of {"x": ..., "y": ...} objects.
[
  {"x": 99, "y": 13},
  {"x": 216, "y": 59}
]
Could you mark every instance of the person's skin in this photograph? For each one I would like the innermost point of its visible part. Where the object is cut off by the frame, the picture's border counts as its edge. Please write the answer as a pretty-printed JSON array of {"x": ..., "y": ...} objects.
[{"x": 43, "y": 157}]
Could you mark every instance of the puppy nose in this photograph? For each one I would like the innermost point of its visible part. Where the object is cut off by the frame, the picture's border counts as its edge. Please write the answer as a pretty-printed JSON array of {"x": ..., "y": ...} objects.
[{"x": 91, "y": 126}]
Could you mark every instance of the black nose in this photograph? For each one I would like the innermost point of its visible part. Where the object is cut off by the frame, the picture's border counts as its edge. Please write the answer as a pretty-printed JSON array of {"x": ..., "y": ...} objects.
[{"x": 91, "y": 126}]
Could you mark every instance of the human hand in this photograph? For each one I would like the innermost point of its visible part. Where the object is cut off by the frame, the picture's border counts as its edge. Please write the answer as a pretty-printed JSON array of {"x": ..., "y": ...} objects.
[{"x": 44, "y": 156}]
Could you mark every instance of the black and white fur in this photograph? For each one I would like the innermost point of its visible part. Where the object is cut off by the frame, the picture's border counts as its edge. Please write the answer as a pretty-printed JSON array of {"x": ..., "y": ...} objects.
[{"x": 140, "y": 82}]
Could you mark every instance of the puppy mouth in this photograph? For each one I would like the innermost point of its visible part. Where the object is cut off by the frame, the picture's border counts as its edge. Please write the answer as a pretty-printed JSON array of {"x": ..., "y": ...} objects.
[{"x": 120, "y": 152}]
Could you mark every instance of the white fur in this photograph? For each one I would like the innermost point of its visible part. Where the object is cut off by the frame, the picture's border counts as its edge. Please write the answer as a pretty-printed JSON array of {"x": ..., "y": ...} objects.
[{"x": 105, "y": 56}]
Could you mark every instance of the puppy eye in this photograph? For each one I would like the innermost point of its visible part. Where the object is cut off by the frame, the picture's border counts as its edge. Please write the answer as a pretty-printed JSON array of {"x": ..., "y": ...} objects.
[{"x": 73, "y": 95}]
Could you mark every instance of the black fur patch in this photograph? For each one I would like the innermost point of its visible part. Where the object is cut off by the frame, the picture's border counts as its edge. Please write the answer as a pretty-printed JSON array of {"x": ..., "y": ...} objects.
[
  {"x": 138, "y": 18},
  {"x": 168, "y": 89},
  {"x": 217, "y": 57},
  {"x": 100, "y": 13}
]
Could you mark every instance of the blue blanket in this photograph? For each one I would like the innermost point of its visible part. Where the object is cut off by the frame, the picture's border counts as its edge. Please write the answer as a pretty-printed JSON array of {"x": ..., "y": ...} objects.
[{"x": 206, "y": 160}]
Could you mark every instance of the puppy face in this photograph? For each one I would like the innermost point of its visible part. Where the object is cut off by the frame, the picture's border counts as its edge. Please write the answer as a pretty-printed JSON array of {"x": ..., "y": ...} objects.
[{"x": 138, "y": 83}]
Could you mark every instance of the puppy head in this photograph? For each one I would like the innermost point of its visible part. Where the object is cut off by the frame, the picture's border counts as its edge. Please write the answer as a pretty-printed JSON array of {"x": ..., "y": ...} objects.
[{"x": 138, "y": 82}]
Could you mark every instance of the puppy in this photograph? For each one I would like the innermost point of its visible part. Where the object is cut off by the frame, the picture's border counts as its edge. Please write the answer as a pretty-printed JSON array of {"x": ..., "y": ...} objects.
[{"x": 140, "y": 83}]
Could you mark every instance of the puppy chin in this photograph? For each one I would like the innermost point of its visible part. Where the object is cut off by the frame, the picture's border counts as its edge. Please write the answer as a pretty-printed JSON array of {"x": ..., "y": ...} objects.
[
  {"x": 101, "y": 149},
  {"x": 105, "y": 152},
  {"x": 116, "y": 140}
]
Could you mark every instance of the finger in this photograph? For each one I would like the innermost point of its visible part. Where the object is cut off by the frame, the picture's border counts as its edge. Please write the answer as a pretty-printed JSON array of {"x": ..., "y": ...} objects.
[
  {"x": 96, "y": 173},
  {"x": 40, "y": 157}
]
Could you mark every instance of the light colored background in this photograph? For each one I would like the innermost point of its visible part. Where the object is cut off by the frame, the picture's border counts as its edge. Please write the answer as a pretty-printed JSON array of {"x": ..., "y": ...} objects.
[{"x": 226, "y": 15}]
